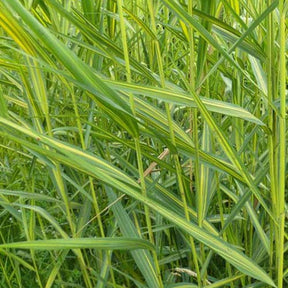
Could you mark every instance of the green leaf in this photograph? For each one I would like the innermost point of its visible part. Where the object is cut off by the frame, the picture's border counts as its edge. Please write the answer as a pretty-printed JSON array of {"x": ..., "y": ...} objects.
[
  {"x": 183, "y": 98},
  {"x": 106, "y": 243}
]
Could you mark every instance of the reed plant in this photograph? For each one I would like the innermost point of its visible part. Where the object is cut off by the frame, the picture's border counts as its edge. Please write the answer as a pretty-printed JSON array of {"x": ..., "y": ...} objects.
[{"x": 143, "y": 143}]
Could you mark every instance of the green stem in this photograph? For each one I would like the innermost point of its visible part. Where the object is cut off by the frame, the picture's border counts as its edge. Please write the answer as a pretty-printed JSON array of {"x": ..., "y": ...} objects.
[
  {"x": 282, "y": 145},
  {"x": 272, "y": 136}
]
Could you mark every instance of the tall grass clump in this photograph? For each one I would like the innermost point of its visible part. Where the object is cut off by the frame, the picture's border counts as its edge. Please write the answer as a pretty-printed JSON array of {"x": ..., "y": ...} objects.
[{"x": 143, "y": 143}]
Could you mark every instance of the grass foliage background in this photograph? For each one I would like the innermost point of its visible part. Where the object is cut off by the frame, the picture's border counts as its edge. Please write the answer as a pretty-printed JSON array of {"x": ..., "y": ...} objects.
[{"x": 143, "y": 143}]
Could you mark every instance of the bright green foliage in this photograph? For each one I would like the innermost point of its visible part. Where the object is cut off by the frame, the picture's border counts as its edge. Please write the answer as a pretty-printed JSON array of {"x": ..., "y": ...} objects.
[{"x": 143, "y": 143}]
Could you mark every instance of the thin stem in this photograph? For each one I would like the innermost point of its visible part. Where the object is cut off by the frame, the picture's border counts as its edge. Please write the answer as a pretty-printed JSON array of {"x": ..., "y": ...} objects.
[
  {"x": 271, "y": 136},
  {"x": 282, "y": 144}
]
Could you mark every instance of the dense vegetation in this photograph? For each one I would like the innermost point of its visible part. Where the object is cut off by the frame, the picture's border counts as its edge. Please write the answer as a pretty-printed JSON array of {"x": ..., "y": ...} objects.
[{"x": 143, "y": 143}]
